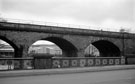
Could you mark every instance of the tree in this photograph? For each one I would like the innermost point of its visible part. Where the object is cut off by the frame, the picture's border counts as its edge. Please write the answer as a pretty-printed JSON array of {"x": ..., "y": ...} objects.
[
  {"x": 125, "y": 30},
  {"x": 122, "y": 30},
  {"x": 2, "y": 19}
]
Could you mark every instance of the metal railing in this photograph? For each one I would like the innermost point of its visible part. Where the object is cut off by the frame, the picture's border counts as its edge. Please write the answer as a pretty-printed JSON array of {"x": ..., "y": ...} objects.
[{"x": 58, "y": 24}]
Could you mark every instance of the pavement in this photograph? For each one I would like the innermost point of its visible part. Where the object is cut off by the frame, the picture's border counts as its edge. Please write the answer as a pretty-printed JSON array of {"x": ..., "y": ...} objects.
[
  {"x": 102, "y": 77},
  {"x": 34, "y": 72}
]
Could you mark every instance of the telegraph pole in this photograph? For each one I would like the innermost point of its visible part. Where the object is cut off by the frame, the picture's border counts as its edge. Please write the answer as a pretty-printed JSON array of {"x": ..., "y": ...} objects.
[
  {"x": 123, "y": 42},
  {"x": 122, "y": 30}
]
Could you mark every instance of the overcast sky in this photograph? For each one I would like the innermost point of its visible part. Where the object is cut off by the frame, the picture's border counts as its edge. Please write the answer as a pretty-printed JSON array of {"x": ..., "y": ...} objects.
[{"x": 107, "y": 13}]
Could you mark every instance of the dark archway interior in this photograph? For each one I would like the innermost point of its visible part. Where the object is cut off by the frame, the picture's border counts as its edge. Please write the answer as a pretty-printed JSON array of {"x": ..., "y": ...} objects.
[
  {"x": 107, "y": 49},
  {"x": 68, "y": 49},
  {"x": 11, "y": 44}
]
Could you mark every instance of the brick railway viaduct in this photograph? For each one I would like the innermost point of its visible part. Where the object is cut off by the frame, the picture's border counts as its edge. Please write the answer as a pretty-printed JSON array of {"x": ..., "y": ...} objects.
[{"x": 72, "y": 41}]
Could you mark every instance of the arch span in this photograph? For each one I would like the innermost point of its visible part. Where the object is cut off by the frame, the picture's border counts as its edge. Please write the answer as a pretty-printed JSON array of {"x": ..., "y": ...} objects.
[
  {"x": 68, "y": 49},
  {"x": 11, "y": 44},
  {"x": 107, "y": 48}
]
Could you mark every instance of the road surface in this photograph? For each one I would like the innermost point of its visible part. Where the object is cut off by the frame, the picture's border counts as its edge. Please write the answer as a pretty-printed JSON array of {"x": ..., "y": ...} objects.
[{"x": 105, "y": 77}]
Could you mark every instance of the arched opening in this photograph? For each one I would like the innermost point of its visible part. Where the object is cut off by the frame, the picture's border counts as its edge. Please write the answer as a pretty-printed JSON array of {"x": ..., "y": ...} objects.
[
  {"x": 91, "y": 51},
  {"x": 107, "y": 49},
  {"x": 54, "y": 46},
  {"x": 7, "y": 49},
  {"x": 43, "y": 47}
]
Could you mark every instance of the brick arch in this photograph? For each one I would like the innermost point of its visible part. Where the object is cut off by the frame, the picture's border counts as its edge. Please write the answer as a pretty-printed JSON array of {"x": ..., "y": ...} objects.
[
  {"x": 107, "y": 48},
  {"x": 68, "y": 49},
  {"x": 12, "y": 44}
]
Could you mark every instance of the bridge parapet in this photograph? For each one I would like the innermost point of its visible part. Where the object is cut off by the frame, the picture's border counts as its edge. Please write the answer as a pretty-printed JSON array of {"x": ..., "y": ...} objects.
[{"x": 63, "y": 30}]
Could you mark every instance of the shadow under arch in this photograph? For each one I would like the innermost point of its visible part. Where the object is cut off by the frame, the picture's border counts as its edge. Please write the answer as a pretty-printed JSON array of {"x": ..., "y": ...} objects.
[
  {"x": 107, "y": 48},
  {"x": 11, "y": 44},
  {"x": 68, "y": 49}
]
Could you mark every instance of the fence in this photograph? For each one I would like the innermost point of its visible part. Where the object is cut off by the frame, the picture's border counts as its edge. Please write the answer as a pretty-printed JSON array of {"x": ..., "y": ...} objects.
[
  {"x": 86, "y": 61},
  {"x": 130, "y": 59},
  {"x": 58, "y": 62},
  {"x": 16, "y": 63}
]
